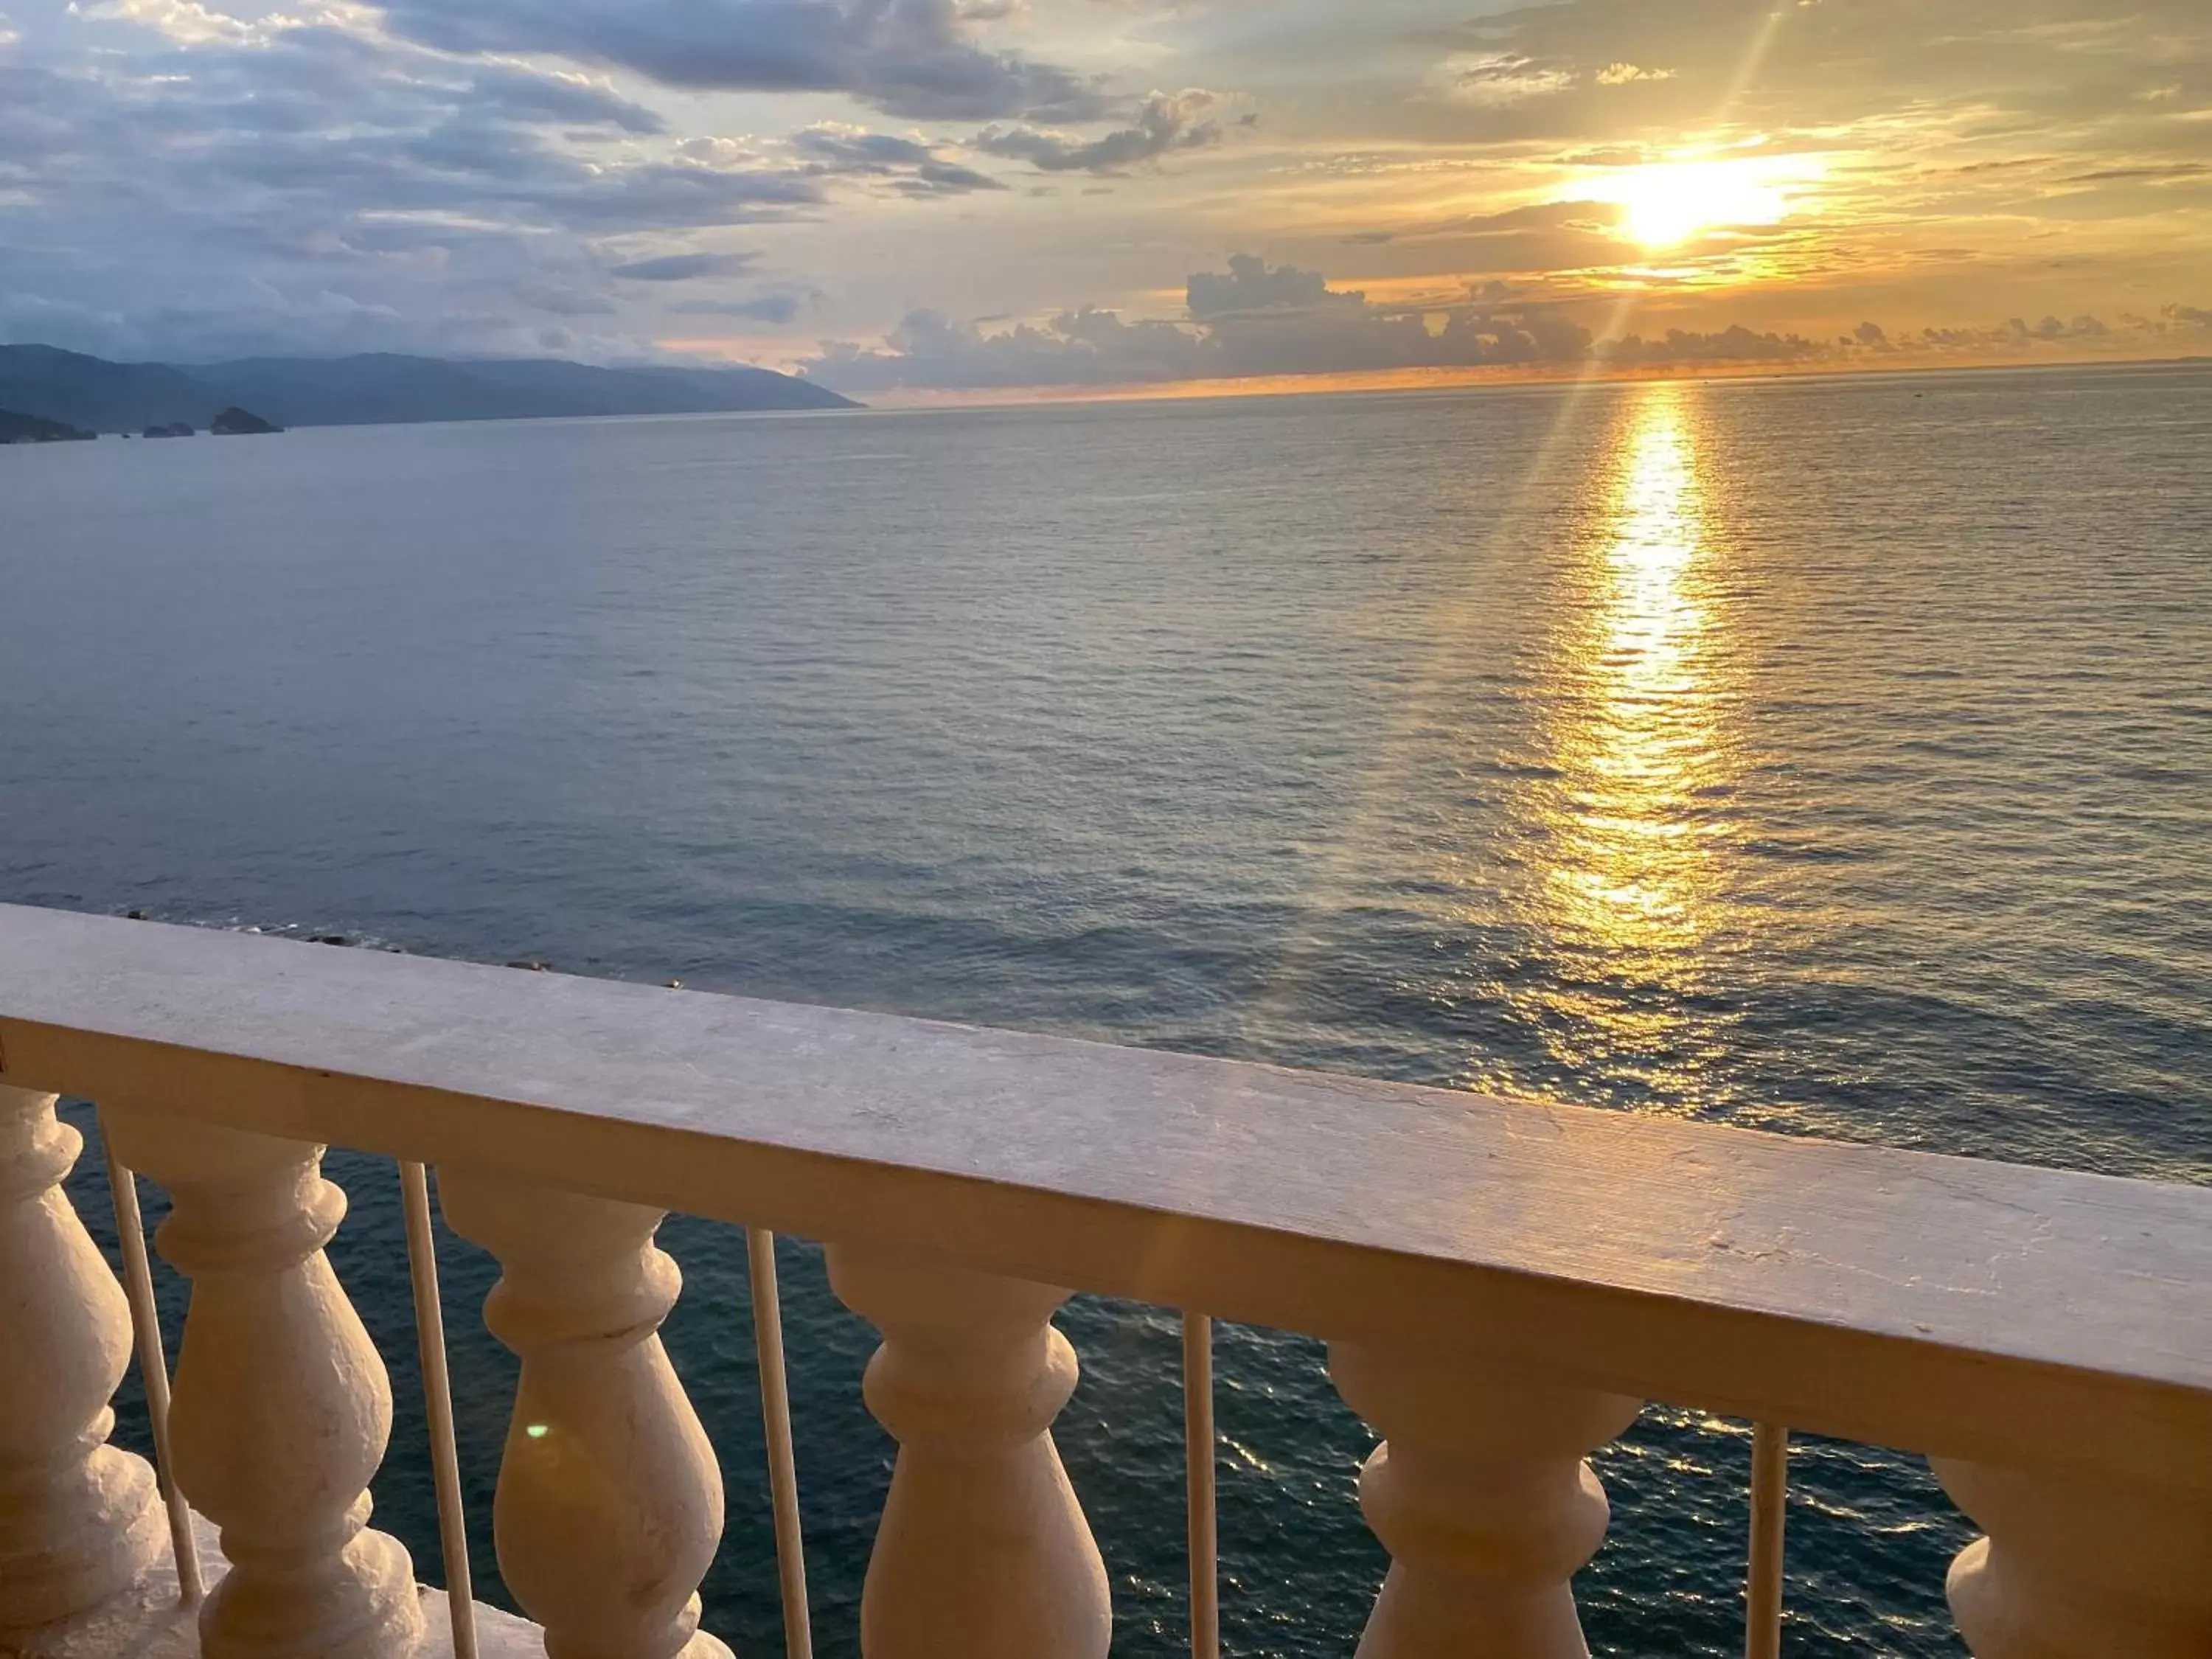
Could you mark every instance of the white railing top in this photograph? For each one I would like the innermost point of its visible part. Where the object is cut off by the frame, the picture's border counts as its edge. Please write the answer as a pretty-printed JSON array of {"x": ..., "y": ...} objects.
[{"x": 1942, "y": 1303}]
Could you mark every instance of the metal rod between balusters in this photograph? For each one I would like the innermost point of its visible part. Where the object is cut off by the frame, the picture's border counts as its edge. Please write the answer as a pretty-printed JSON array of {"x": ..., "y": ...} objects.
[
  {"x": 153, "y": 1367},
  {"x": 1198, "y": 1457},
  {"x": 438, "y": 1406},
  {"x": 1770, "y": 1497},
  {"x": 782, "y": 1466}
]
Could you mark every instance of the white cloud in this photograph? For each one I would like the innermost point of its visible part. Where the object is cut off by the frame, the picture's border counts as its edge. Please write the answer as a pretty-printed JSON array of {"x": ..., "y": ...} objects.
[
  {"x": 1617, "y": 74},
  {"x": 186, "y": 22},
  {"x": 1502, "y": 77}
]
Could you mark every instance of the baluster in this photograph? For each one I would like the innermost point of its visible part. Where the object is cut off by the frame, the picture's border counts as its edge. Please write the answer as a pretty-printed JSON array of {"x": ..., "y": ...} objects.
[
  {"x": 1482, "y": 1497},
  {"x": 2080, "y": 1568},
  {"x": 610, "y": 1502},
  {"x": 982, "y": 1552},
  {"x": 282, "y": 1406},
  {"x": 79, "y": 1520}
]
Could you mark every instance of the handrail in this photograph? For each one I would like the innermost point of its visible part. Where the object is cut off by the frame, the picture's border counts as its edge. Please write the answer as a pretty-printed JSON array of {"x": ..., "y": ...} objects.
[{"x": 1970, "y": 1309}]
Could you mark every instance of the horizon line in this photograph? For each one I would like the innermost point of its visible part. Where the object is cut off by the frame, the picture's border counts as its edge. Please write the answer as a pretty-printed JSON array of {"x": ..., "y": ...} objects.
[{"x": 1487, "y": 377}]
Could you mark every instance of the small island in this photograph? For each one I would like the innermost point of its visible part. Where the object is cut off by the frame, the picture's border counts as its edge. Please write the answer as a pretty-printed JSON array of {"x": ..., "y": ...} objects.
[
  {"x": 16, "y": 428},
  {"x": 236, "y": 423},
  {"x": 180, "y": 429}
]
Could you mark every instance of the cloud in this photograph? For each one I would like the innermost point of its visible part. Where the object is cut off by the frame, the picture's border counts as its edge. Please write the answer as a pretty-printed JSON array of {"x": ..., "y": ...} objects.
[
  {"x": 916, "y": 58},
  {"x": 1166, "y": 122},
  {"x": 777, "y": 307},
  {"x": 1502, "y": 77},
  {"x": 1617, "y": 74},
  {"x": 304, "y": 186},
  {"x": 856, "y": 148},
  {"x": 2017, "y": 333},
  {"x": 1253, "y": 286},
  {"x": 215, "y": 137},
  {"x": 913, "y": 167},
  {"x": 1688, "y": 349},
  {"x": 2164, "y": 171},
  {"x": 184, "y": 22},
  {"x": 1255, "y": 320},
  {"x": 1079, "y": 348},
  {"x": 1541, "y": 236},
  {"x": 1558, "y": 68},
  {"x": 521, "y": 95},
  {"x": 683, "y": 267}
]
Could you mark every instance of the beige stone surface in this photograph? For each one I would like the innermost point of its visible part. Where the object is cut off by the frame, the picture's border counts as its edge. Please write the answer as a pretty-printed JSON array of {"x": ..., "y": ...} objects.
[
  {"x": 610, "y": 1506},
  {"x": 150, "y": 1623},
  {"x": 983, "y": 1550},
  {"x": 1941, "y": 1304}
]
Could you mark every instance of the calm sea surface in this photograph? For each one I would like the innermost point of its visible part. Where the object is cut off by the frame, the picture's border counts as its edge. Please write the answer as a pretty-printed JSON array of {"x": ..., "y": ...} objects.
[{"x": 1833, "y": 757}]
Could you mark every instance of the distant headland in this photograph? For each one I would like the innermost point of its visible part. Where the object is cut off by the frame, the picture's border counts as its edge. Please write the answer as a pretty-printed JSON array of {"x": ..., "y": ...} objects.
[
  {"x": 82, "y": 396},
  {"x": 17, "y": 427}
]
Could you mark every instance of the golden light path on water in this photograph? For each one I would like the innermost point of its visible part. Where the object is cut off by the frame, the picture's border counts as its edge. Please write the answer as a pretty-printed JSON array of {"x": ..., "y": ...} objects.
[
  {"x": 1640, "y": 766},
  {"x": 1570, "y": 840}
]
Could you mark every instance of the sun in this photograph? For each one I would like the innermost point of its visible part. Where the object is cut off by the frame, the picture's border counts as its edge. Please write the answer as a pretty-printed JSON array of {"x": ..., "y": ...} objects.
[{"x": 1666, "y": 203}]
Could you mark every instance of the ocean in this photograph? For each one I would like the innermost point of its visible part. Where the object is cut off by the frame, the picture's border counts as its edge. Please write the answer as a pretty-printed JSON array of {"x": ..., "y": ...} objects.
[{"x": 1831, "y": 756}]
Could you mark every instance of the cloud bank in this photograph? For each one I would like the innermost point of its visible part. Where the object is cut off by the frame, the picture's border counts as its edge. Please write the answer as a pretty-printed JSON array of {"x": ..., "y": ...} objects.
[
  {"x": 916, "y": 58},
  {"x": 1257, "y": 320},
  {"x": 190, "y": 200},
  {"x": 1254, "y": 319}
]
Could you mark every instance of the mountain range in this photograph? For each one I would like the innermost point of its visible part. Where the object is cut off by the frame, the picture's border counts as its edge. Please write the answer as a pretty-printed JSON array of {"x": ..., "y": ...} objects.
[{"x": 378, "y": 389}]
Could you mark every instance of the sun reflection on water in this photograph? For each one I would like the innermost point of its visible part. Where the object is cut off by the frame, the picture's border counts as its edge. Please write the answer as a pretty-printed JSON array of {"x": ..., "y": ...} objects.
[
  {"x": 1641, "y": 743},
  {"x": 1640, "y": 770}
]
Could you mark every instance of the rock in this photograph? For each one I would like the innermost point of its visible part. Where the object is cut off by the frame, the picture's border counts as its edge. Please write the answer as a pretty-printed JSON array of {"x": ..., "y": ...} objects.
[{"x": 236, "y": 423}]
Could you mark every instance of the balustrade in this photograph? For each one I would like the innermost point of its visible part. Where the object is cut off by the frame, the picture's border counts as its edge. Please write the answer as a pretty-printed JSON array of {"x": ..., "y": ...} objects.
[
  {"x": 610, "y": 1503},
  {"x": 81, "y": 1521},
  {"x": 984, "y": 1551},
  {"x": 1842, "y": 1290},
  {"x": 2078, "y": 1568},
  {"x": 1481, "y": 1495},
  {"x": 281, "y": 1407}
]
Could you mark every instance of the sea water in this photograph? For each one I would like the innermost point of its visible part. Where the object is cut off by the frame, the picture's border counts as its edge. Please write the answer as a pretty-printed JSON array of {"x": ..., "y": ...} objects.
[{"x": 1831, "y": 756}]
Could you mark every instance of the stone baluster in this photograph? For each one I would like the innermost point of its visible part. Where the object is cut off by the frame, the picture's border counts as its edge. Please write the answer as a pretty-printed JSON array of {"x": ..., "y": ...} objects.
[
  {"x": 1482, "y": 1497},
  {"x": 2075, "y": 1567},
  {"x": 79, "y": 1520},
  {"x": 281, "y": 1406},
  {"x": 610, "y": 1503},
  {"x": 984, "y": 1551}
]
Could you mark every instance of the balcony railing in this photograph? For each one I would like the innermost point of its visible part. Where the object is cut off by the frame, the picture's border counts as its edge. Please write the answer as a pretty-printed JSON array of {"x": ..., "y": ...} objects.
[{"x": 1502, "y": 1285}]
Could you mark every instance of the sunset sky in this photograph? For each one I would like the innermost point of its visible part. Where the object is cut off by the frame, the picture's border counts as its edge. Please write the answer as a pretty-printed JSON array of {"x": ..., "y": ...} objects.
[{"x": 922, "y": 198}]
